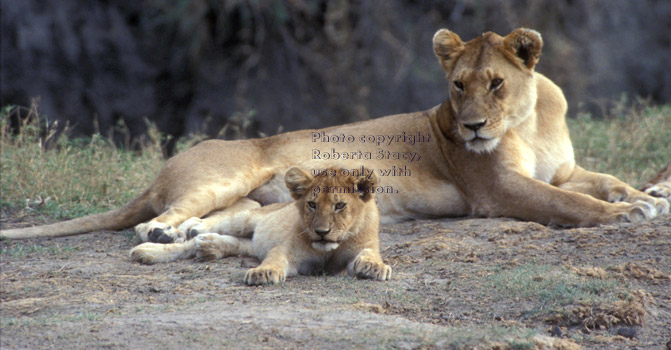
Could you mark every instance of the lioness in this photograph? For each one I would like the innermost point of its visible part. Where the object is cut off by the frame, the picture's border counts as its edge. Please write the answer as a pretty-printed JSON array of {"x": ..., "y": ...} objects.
[
  {"x": 332, "y": 225},
  {"x": 497, "y": 146}
]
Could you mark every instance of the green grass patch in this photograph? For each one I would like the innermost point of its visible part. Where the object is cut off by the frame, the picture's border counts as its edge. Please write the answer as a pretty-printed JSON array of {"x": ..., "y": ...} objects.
[
  {"x": 27, "y": 321},
  {"x": 633, "y": 143},
  {"x": 468, "y": 337},
  {"x": 551, "y": 289},
  {"x": 20, "y": 250}
]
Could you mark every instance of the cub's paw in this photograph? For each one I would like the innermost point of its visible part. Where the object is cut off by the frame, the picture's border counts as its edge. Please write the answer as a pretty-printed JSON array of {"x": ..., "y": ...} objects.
[
  {"x": 265, "y": 275},
  {"x": 159, "y": 232},
  {"x": 147, "y": 253},
  {"x": 212, "y": 246},
  {"x": 638, "y": 211},
  {"x": 368, "y": 267},
  {"x": 193, "y": 227}
]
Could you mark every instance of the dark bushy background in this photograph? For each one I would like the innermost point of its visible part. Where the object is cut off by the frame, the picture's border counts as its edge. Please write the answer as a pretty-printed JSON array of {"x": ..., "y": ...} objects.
[{"x": 196, "y": 65}]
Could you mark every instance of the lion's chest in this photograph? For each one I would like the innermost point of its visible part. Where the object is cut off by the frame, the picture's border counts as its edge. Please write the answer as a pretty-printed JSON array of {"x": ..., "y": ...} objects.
[
  {"x": 542, "y": 161},
  {"x": 311, "y": 266}
]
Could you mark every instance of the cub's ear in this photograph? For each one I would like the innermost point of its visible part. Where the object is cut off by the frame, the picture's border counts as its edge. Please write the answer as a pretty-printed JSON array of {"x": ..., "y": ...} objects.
[
  {"x": 365, "y": 184},
  {"x": 298, "y": 182},
  {"x": 525, "y": 44},
  {"x": 446, "y": 46}
]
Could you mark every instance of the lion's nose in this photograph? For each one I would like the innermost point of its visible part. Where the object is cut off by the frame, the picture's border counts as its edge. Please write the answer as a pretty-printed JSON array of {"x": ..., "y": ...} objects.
[
  {"x": 475, "y": 126},
  {"x": 322, "y": 232}
]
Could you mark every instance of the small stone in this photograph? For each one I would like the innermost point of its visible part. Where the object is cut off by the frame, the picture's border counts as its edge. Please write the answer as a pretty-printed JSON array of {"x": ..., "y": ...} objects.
[{"x": 627, "y": 332}]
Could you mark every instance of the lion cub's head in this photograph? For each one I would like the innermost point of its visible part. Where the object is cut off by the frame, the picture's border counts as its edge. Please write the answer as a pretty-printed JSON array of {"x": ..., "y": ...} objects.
[
  {"x": 334, "y": 205},
  {"x": 491, "y": 82}
]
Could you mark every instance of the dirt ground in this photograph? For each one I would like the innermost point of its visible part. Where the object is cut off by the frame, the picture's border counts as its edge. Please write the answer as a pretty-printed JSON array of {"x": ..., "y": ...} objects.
[{"x": 457, "y": 283}]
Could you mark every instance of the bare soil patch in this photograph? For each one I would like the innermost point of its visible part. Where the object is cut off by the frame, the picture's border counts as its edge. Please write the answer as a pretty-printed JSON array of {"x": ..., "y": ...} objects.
[{"x": 458, "y": 283}]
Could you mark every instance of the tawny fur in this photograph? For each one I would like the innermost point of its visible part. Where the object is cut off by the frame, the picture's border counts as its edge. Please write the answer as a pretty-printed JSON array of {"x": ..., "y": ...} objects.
[
  {"x": 499, "y": 146},
  {"x": 660, "y": 185},
  {"x": 322, "y": 231}
]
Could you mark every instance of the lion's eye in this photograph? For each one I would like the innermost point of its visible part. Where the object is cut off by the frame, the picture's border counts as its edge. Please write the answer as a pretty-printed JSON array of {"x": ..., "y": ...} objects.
[
  {"x": 339, "y": 206},
  {"x": 312, "y": 205},
  {"x": 496, "y": 84},
  {"x": 459, "y": 85}
]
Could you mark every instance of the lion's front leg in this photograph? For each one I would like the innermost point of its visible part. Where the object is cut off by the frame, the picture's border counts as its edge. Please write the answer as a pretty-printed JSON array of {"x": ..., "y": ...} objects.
[
  {"x": 273, "y": 269},
  {"x": 368, "y": 264},
  {"x": 610, "y": 189},
  {"x": 511, "y": 194}
]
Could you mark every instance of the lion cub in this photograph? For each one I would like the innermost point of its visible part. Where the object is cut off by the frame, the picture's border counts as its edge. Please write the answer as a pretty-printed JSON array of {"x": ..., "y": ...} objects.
[{"x": 332, "y": 226}]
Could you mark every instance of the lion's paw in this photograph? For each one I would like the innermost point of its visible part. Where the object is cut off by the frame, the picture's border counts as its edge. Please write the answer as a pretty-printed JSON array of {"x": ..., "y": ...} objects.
[
  {"x": 661, "y": 205},
  {"x": 147, "y": 253},
  {"x": 368, "y": 267},
  {"x": 618, "y": 194},
  {"x": 212, "y": 246},
  {"x": 159, "y": 232},
  {"x": 265, "y": 275},
  {"x": 193, "y": 227},
  {"x": 658, "y": 196},
  {"x": 638, "y": 211},
  {"x": 660, "y": 190}
]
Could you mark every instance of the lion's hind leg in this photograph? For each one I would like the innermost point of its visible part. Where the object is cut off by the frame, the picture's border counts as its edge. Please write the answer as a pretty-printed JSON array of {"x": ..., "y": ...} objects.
[
  {"x": 213, "y": 221},
  {"x": 212, "y": 246},
  {"x": 183, "y": 221},
  {"x": 152, "y": 253}
]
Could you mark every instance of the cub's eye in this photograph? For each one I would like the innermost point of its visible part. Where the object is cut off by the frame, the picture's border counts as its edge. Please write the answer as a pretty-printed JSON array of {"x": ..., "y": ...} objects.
[
  {"x": 496, "y": 84},
  {"x": 312, "y": 205},
  {"x": 459, "y": 85},
  {"x": 339, "y": 206}
]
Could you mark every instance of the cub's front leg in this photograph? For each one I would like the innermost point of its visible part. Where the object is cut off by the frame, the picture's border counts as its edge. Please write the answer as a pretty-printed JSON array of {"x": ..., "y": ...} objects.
[
  {"x": 368, "y": 264},
  {"x": 273, "y": 268},
  {"x": 152, "y": 253}
]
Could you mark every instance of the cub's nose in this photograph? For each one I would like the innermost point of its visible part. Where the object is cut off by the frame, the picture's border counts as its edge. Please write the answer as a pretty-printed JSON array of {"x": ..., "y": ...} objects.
[
  {"x": 322, "y": 232},
  {"x": 475, "y": 126}
]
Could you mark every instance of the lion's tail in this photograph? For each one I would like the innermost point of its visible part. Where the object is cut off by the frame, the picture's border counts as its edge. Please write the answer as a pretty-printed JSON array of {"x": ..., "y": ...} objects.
[{"x": 131, "y": 214}]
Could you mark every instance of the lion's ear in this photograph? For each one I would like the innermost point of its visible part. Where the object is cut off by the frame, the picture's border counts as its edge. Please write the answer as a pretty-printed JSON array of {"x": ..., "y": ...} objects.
[
  {"x": 446, "y": 45},
  {"x": 525, "y": 44},
  {"x": 365, "y": 184},
  {"x": 298, "y": 182}
]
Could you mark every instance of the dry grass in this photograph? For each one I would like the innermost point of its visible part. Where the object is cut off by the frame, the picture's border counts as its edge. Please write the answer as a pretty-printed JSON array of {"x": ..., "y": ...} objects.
[
  {"x": 50, "y": 173},
  {"x": 46, "y": 171}
]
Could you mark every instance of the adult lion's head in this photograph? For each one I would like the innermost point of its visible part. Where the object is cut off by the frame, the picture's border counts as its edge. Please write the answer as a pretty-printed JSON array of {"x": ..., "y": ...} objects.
[
  {"x": 334, "y": 206},
  {"x": 491, "y": 82}
]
